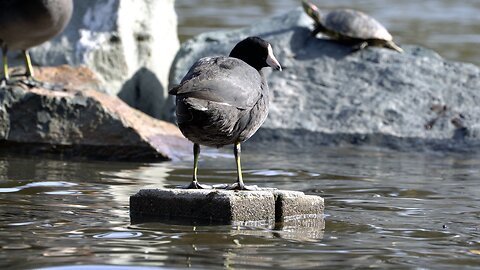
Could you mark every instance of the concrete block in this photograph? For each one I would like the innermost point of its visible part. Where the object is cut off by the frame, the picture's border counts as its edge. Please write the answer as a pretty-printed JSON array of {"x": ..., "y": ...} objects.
[
  {"x": 292, "y": 206},
  {"x": 203, "y": 206},
  {"x": 271, "y": 208}
]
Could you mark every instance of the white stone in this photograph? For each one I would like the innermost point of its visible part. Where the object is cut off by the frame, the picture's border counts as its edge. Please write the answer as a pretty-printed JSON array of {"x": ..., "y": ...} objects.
[{"x": 117, "y": 39}]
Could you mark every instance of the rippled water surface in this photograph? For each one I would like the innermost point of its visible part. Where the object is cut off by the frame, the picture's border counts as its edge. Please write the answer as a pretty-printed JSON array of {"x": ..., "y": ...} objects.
[
  {"x": 383, "y": 209},
  {"x": 450, "y": 27}
]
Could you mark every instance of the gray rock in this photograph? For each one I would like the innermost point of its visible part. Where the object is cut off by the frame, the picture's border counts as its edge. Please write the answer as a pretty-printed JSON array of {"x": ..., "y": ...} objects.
[
  {"x": 86, "y": 123},
  {"x": 264, "y": 207},
  {"x": 118, "y": 40},
  {"x": 328, "y": 95}
]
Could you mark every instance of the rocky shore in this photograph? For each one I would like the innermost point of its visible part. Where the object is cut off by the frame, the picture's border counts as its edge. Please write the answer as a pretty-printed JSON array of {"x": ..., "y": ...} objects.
[
  {"x": 328, "y": 95},
  {"x": 129, "y": 45},
  {"x": 75, "y": 121}
]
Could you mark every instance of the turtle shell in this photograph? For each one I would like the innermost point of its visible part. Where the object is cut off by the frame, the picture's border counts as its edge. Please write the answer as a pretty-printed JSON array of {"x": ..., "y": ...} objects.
[{"x": 354, "y": 24}]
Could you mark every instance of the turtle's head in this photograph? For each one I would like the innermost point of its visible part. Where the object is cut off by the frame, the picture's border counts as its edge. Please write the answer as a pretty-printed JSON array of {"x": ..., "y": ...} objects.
[{"x": 311, "y": 10}]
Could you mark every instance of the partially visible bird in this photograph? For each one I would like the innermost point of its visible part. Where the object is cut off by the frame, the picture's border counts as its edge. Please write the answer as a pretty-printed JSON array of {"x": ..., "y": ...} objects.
[
  {"x": 224, "y": 100},
  {"x": 28, "y": 23}
]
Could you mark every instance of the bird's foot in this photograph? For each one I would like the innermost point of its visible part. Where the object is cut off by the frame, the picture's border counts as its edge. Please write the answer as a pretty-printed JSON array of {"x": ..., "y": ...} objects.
[
  {"x": 242, "y": 186},
  {"x": 196, "y": 185},
  {"x": 31, "y": 82},
  {"x": 4, "y": 82},
  {"x": 237, "y": 187}
]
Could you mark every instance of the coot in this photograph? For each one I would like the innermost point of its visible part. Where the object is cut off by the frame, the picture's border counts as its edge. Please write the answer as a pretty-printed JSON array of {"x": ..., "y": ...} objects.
[
  {"x": 28, "y": 23},
  {"x": 224, "y": 100}
]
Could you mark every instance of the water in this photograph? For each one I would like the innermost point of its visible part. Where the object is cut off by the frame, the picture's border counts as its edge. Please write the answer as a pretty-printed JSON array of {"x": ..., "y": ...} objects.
[
  {"x": 452, "y": 28},
  {"x": 384, "y": 209}
]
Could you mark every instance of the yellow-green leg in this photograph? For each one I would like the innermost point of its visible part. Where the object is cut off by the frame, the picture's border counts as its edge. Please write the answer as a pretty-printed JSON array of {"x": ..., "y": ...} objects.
[
  {"x": 237, "y": 150},
  {"x": 29, "y": 73},
  {"x": 194, "y": 184},
  {"x": 28, "y": 65}
]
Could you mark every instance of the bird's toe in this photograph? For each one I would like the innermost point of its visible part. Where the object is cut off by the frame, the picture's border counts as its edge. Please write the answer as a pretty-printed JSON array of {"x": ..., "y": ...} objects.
[{"x": 196, "y": 185}]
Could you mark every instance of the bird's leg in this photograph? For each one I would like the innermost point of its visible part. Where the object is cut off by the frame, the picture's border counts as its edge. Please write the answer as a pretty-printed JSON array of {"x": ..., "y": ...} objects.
[
  {"x": 5, "y": 64},
  {"x": 237, "y": 150},
  {"x": 239, "y": 185},
  {"x": 28, "y": 64},
  {"x": 194, "y": 184},
  {"x": 30, "y": 81},
  {"x": 196, "y": 154}
]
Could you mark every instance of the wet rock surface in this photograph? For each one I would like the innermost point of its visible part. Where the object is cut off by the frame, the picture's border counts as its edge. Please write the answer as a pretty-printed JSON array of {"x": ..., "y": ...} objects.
[
  {"x": 329, "y": 95},
  {"x": 81, "y": 123}
]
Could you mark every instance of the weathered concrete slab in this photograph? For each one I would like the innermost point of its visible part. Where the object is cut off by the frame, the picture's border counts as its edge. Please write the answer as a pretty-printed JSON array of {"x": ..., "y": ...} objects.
[{"x": 215, "y": 206}]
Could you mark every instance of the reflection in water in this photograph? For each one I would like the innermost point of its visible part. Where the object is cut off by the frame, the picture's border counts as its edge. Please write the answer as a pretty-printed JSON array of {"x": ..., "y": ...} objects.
[{"x": 383, "y": 209}]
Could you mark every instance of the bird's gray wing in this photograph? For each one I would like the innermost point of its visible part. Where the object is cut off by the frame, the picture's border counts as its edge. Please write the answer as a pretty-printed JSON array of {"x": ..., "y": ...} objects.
[{"x": 222, "y": 79}]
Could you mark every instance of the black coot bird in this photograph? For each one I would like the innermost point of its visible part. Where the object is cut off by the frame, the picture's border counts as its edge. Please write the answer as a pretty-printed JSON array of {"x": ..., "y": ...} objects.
[
  {"x": 28, "y": 23},
  {"x": 224, "y": 100}
]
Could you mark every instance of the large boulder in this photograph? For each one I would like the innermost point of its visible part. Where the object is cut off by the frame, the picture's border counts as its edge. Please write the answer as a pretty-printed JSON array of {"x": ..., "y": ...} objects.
[
  {"x": 129, "y": 44},
  {"x": 75, "y": 121},
  {"x": 328, "y": 95}
]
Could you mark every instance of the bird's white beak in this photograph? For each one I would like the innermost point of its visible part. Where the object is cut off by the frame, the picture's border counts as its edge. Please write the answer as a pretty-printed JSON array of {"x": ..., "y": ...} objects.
[{"x": 271, "y": 60}]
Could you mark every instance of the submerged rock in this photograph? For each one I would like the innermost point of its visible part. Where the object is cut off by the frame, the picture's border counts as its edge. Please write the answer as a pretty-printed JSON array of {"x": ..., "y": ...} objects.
[
  {"x": 81, "y": 123},
  {"x": 328, "y": 95},
  {"x": 120, "y": 40}
]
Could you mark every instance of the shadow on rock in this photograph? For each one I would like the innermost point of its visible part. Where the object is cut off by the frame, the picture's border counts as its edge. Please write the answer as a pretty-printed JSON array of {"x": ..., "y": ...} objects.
[
  {"x": 144, "y": 92},
  {"x": 308, "y": 47}
]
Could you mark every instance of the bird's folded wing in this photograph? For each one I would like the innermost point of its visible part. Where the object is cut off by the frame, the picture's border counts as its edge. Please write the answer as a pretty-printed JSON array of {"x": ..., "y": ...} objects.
[{"x": 226, "y": 81}]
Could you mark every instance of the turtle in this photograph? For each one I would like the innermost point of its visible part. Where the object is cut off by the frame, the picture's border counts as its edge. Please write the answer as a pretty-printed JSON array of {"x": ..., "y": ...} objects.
[{"x": 350, "y": 26}]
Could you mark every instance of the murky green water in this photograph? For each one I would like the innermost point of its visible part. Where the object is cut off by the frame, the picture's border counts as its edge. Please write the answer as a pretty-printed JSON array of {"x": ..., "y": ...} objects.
[
  {"x": 383, "y": 210},
  {"x": 450, "y": 27}
]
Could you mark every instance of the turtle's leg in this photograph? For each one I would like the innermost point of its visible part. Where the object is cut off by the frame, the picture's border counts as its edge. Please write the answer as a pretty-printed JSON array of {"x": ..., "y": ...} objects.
[
  {"x": 194, "y": 184},
  {"x": 393, "y": 46},
  {"x": 359, "y": 46},
  {"x": 318, "y": 29},
  {"x": 6, "y": 76}
]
